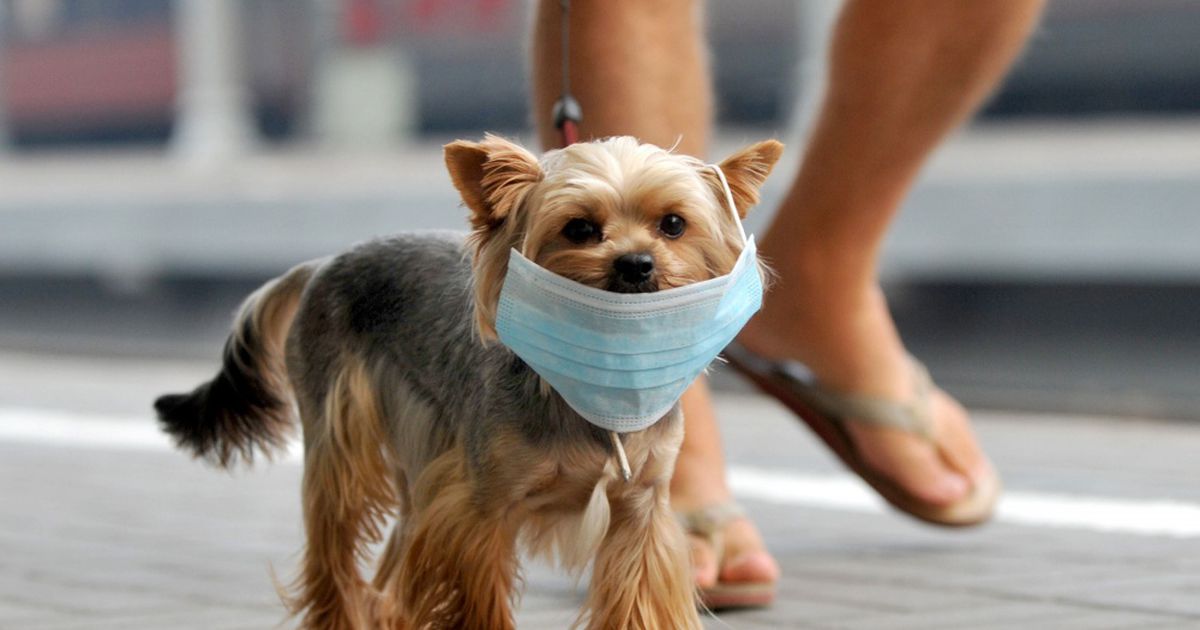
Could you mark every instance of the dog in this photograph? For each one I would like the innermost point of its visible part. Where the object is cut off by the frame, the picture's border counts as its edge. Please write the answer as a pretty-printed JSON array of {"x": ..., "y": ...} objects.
[{"x": 412, "y": 410}]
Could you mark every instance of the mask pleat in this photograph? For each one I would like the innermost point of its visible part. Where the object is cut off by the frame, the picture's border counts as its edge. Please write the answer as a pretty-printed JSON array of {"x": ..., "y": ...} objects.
[{"x": 623, "y": 360}]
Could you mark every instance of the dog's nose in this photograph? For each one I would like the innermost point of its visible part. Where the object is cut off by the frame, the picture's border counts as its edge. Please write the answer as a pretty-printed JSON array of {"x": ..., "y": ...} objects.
[{"x": 634, "y": 268}]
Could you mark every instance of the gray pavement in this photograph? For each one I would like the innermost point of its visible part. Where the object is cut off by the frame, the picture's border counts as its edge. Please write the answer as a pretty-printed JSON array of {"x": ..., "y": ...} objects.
[{"x": 100, "y": 528}]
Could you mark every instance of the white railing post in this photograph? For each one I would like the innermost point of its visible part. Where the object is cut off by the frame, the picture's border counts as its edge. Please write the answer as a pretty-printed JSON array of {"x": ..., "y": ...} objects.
[
  {"x": 363, "y": 93},
  {"x": 816, "y": 19},
  {"x": 213, "y": 119},
  {"x": 814, "y": 23}
]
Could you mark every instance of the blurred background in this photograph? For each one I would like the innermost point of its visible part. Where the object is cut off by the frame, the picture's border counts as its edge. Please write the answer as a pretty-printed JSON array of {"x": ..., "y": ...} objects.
[{"x": 159, "y": 159}]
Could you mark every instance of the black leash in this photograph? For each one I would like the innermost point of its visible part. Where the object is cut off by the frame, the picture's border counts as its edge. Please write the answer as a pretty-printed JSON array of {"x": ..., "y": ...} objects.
[{"x": 567, "y": 113}]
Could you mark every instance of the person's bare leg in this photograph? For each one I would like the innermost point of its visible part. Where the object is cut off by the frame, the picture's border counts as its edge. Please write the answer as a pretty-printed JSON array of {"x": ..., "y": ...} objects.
[
  {"x": 699, "y": 482},
  {"x": 637, "y": 68},
  {"x": 902, "y": 76},
  {"x": 640, "y": 68}
]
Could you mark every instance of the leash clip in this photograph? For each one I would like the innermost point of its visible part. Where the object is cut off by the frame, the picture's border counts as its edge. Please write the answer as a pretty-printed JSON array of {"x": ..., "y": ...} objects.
[
  {"x": 567, "y": 113},
  {"x": 567, "y": 116}
]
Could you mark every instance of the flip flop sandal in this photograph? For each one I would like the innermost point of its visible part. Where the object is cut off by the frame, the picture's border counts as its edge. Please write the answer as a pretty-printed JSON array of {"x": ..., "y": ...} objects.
[
  {"x": 708, "y": 523},
  {"x": 826, "y": 413}
]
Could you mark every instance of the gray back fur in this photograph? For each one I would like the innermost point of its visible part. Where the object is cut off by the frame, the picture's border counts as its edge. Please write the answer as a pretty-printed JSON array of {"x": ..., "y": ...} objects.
[{"x": 403, "y": 306}]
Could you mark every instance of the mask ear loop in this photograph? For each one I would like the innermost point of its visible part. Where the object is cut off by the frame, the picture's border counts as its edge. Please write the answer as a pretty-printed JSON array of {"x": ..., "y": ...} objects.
[
  {"x": 622, "y": 460},
  {"x": 737, "y": 219}
]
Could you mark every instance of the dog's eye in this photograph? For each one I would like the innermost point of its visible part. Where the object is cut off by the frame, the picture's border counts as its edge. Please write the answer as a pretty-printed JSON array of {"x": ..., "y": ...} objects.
[
  {"x": 580, "y": 230},
  {"x": 672, "y": 226}
]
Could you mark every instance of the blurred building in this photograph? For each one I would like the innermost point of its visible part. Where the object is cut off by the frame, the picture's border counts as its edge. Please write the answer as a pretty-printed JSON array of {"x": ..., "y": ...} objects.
[
  {"x": 84, "y": 71},
  {"x": 81, "y": 71}
]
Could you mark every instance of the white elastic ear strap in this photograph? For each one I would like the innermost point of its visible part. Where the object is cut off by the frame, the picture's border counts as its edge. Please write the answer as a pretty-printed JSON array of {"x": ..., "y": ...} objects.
[{"x": 737, "y": 219}]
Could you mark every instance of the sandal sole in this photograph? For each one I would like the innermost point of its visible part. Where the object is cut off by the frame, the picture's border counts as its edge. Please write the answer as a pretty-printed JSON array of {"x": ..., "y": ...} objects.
[{"x": 974, "y": 509}]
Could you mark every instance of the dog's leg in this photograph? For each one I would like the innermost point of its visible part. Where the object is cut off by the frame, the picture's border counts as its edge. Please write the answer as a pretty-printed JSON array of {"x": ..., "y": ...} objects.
[
  {"x": 389, "y": 611},
  {"x": 460, "y": 563},
  {"x": 348, "y": 492},
  {"x": 642, "y": 576}
]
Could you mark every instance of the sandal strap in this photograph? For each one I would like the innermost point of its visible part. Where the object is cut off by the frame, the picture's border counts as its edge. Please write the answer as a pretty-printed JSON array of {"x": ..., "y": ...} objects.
[
  {"x": 914, "y": 417},
  {"x": 708, "y": 521}
]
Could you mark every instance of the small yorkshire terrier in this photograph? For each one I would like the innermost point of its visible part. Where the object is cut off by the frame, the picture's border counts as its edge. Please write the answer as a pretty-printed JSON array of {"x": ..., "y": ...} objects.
[{"x": 410, "y": 408}]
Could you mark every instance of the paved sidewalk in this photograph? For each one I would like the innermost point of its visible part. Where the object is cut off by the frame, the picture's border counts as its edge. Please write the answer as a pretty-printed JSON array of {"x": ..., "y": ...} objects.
[{"x": 102, "y": 527}]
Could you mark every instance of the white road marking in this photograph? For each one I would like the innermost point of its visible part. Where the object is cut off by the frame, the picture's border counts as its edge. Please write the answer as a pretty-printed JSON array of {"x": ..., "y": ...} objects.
[
  {"x": 91, "y": 431},
  {"x": 1143, "y": 517},
  {"x": 81, "y": 430}
]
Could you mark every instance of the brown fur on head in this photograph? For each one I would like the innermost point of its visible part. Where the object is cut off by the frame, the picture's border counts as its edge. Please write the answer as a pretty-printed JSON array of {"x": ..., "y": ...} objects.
[{"x": 581, "y": 209}]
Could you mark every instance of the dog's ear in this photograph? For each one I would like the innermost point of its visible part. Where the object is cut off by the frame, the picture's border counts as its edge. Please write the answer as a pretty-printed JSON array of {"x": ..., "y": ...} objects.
[
  {"x": 491, "y": 176},
  {"x": 746, "y": 171}
]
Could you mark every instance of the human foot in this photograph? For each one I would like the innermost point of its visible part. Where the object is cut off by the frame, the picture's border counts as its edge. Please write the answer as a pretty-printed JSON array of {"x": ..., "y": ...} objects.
[
  {"x": 730, "y": 562},
  {"x": 846, "y": 337}
]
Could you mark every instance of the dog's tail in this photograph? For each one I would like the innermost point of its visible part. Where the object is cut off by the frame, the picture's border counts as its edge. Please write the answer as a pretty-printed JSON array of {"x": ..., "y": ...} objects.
[{"x": 248, "y": 405}]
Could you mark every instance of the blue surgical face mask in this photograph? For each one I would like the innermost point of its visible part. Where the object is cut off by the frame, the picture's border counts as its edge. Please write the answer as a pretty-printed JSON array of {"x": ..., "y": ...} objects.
[{"x": 622, "y": 360}]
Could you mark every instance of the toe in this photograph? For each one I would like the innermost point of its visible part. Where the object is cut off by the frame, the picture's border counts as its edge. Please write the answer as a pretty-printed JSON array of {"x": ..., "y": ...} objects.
[
  {"x": 704, "y": 562},
  {"x": 746, "y": 558},
  {"x": 910, "y": 462},
  {"x": 750, "y": 567},
  {"x": 957, "y": 441}
]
